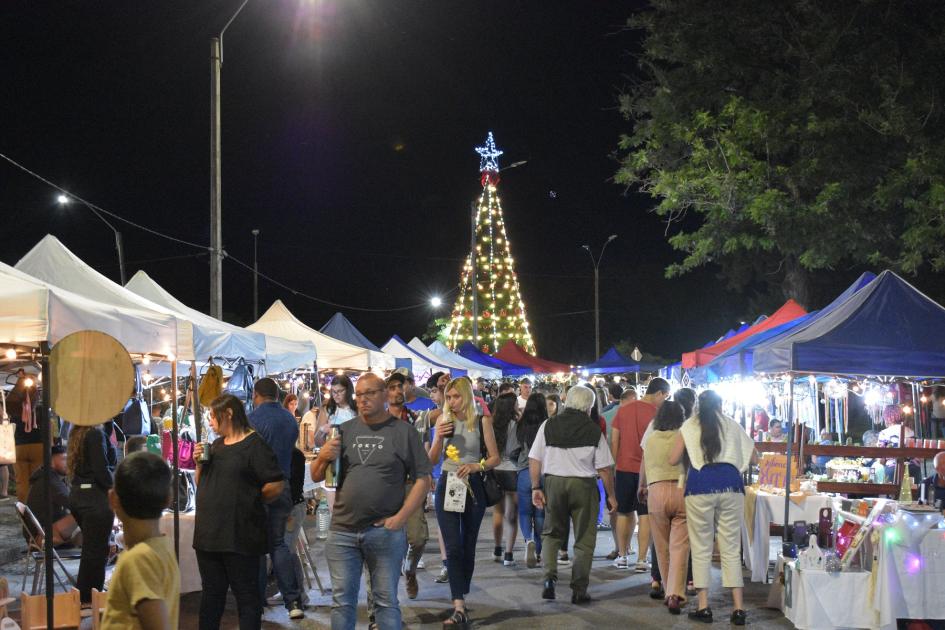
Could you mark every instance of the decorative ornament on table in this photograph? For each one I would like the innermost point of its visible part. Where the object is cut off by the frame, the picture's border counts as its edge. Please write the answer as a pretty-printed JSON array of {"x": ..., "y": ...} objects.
[
  {"x": 831, "y": 561},
  {"x": 812, "y": 557}
]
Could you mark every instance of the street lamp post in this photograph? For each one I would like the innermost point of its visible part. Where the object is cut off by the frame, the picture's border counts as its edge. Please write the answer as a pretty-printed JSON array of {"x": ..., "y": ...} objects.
[
  {"x": 596, "y": 263},
  {"x": 216, "y": 205},
  {"x": 119, "y": 244},
  {"x": 255, "y": 275}
]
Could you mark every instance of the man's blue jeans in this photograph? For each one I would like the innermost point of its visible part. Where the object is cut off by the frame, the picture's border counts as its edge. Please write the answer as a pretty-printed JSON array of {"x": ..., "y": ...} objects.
[
  {"x": 382, "y": 551},
  {"x": 530, "y": 518},
  {"x": 282, "y": 564}
]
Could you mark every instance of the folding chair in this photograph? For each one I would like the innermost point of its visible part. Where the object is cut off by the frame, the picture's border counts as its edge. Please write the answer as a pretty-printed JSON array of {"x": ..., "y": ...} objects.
[
  {"x": 66, "y": 610},
  {"x": 35, "y": 561},
  {"x": 301, "y": 548},
  {"x": 99, "y": 599}
]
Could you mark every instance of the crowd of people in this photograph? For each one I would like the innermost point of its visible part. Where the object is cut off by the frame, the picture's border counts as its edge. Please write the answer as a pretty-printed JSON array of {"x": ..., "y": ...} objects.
[{"x": 555, "y": 463}]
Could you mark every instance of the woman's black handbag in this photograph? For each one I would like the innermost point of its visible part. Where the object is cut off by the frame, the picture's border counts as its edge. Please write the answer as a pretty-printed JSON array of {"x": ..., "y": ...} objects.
[{"x": 490, "y": 484}]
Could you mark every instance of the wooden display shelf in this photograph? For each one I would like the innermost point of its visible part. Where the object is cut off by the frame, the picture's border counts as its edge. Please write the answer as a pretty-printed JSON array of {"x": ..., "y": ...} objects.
[
  {"x": 851, "y": 451},
  {"x": 870, "y": 489}
]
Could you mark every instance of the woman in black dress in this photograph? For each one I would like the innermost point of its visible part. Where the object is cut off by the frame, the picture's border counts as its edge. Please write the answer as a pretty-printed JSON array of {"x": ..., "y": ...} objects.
[{"x": 230, "y": 529}]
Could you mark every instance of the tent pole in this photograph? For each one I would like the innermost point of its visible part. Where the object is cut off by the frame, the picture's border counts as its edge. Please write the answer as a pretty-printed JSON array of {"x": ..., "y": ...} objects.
[
  {"x": 176, "y": 464},
  {"x": 46, "y": 515},
  {"x": 198, "y": 425},
  {"x": 787, "y": 468}
]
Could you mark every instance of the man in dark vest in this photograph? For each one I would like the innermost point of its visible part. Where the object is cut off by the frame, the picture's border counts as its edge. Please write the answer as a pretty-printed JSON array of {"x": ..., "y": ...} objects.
[{"x": 572, "y": 452}]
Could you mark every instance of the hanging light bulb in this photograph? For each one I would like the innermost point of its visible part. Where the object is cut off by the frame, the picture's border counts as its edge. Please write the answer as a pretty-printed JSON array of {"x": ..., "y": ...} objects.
[{"x": 10, "y": 354}]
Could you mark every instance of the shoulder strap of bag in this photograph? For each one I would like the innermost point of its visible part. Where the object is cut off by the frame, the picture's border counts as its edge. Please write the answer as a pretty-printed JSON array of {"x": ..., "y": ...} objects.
[
  {"x": 483, "y": 451},
  {"x": 3, "y": 399}
]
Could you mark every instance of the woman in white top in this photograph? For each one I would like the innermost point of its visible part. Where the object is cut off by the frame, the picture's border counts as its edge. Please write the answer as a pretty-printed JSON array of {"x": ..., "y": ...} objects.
[
  {"x": 719, "y": 450},
  {"x": 340, "y": 407}
]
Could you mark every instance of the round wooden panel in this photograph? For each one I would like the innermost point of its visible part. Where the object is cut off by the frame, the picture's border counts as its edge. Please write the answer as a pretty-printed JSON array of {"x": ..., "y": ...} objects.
[{"x": 92, "y": 377}]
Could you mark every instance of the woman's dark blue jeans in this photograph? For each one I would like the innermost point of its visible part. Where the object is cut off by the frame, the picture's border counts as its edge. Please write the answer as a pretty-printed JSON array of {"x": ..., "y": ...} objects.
[
  {"x": 530, "y": 518},
  {"x": 460, "y": 533}
]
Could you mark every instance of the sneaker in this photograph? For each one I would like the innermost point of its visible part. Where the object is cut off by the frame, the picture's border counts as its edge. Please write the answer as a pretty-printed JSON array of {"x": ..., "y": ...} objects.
[
  {"x": 642, "y": 567},
  {"x": 613, "y": 555},
  {"x": 507, "y": 561},
  {"x": 497, "y": 554},
  {"x": 275, "y": 600},
  {"x": 563, "y": 560},
  {"x": 621, "y": 562},
  {"x": 420, "y": 564},
  {"x": 295, "y": 612},
  {"x": 739, "y": 617},
  {"x": 531, "y": 560},
  {"x": 443, "y": 577}
]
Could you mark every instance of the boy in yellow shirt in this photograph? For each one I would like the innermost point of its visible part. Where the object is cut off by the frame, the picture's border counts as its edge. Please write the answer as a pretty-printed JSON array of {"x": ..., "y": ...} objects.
[{"x": 144, "y": 591}]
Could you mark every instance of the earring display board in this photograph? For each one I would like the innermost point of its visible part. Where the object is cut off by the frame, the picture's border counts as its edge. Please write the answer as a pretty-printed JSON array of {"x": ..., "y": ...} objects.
[{"x": 92, "y": 376}]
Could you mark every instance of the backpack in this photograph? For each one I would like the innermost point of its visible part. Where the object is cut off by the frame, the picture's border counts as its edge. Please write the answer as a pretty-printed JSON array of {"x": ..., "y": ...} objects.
[{"x": 135, "y": 418}]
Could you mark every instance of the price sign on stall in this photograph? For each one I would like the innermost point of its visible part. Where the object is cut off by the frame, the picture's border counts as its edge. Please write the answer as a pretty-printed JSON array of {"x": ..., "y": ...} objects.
[{"x": 773, "y": 468}]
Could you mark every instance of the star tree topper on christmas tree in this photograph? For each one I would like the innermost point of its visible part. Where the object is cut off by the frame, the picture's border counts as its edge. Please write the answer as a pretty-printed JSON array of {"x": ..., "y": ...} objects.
[{"x": 495, "y": 303}]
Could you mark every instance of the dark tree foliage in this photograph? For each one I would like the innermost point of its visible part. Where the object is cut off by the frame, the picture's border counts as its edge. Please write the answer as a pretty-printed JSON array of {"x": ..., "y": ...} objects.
[{"x": 786, "y": 137}]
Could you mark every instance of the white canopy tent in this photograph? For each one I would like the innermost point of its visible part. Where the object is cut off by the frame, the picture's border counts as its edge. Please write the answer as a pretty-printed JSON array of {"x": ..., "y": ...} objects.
[
  {"x": 32, "y": 311},
  {"x": 418, "y": 346},
  {"x": 215, "y": 338},
  {"x": 53, "y": 263},
  {"x": 332, "y": 353},
  {"x": 475, "y": 370},
  {"x": 423, "y": 366}
]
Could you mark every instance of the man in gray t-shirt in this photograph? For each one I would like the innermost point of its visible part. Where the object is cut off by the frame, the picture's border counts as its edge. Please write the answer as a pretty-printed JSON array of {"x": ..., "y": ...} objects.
[{"x": 378, "y": 454}]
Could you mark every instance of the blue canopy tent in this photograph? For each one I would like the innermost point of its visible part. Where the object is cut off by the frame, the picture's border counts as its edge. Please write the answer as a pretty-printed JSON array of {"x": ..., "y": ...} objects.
[
  {"x": 472, "y": 353},
  {"x": 887, "y": 328},
  {"x": 340, "y": 327},
  {"x": 612, "y": 362},
  {"x": 739, "y": 359}
]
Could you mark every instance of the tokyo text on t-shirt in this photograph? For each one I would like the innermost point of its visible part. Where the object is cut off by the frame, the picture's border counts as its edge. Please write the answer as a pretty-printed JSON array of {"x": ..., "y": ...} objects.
[{"x": 376, "y": 461}]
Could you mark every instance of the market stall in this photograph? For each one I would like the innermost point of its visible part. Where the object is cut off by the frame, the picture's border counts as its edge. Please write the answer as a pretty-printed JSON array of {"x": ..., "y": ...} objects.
[
  {"x": 421, "y": 366},
  {"x": 513, "y": 353},
  {"x": 613, "y": 362}
]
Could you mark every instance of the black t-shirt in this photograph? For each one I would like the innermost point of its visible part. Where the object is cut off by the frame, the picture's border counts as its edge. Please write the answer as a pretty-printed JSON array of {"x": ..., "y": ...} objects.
[
  {"x": 230, "y": 515},
  {"x": 376, "y": 461}
]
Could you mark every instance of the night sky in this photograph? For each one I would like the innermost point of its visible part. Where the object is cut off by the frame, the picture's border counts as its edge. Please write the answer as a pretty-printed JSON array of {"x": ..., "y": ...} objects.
[{"x": 349, "y": 130}]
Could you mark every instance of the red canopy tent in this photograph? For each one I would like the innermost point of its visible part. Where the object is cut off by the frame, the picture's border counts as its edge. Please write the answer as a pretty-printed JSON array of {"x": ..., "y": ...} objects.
[
  {"x": 789, "y": 311},
  {"x": 513, "y": 353}
]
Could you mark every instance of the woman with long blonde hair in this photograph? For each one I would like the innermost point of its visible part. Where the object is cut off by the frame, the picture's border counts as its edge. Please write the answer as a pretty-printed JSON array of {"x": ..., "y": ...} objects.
[{"x": 461, "y": 434}]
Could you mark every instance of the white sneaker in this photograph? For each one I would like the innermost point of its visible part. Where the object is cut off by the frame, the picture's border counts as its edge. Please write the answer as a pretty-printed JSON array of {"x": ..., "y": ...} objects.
[
  {"x": 275, "y": 600},
  {"x": 420, "y": 564},
  {"x": 622, "y": 562},
  {"x": 642, "y": 567}
]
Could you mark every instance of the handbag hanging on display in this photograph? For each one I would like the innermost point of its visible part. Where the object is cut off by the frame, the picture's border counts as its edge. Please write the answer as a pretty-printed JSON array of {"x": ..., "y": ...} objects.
[{"x": 490, "y": 484}]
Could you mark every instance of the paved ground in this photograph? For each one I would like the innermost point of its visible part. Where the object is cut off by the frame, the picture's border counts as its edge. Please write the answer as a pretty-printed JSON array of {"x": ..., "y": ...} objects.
[{"x": 501, "y": 597}]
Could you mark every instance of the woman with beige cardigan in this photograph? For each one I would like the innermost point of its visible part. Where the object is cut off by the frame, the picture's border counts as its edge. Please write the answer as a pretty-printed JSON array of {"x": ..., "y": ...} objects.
[{"x": 719, "y": 451}]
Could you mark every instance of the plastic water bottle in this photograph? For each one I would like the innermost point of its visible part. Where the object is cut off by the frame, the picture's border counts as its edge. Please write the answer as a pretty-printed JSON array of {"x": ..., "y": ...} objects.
[{"x": 322, "y": 520}]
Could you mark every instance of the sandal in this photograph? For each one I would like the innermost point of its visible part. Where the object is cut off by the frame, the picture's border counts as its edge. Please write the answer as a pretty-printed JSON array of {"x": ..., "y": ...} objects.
[{"x": 458, "y": 620}]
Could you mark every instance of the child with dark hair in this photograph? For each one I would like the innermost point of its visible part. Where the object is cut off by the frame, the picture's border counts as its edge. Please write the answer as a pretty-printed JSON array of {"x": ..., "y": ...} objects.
[{"x": 144, "y": 591}]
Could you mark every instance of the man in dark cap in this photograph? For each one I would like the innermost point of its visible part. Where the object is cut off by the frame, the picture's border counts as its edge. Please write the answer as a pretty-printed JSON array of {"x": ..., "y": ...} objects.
[{"x": 65, "y": 529}]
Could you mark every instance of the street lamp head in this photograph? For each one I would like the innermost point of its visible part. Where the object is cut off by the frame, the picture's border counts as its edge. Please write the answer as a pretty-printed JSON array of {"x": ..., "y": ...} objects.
[
  {"x": 62, "y": 199},
  {"x": 612, "y": 237},
  {"x": 255, "y": 232},
  {"x": 587, "y": 247},
  {"x": 436, "y": 301}
]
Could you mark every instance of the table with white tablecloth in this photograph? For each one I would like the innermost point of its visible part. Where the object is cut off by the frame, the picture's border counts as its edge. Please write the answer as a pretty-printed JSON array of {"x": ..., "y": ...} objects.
[
  {"x": 189, "y": 574},
  {"x": 769, "y": 508},
  {"x": 909, "y": 577},
  {"x": 817, "y": 600}
]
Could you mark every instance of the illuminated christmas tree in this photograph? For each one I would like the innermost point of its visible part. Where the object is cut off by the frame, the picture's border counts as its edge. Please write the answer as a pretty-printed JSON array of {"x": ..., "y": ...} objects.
[{"x": 493, "y": 311}]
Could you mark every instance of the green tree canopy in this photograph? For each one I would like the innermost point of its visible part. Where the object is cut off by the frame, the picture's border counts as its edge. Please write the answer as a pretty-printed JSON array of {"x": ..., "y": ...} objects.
[{"x": 785, "y": 137}]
